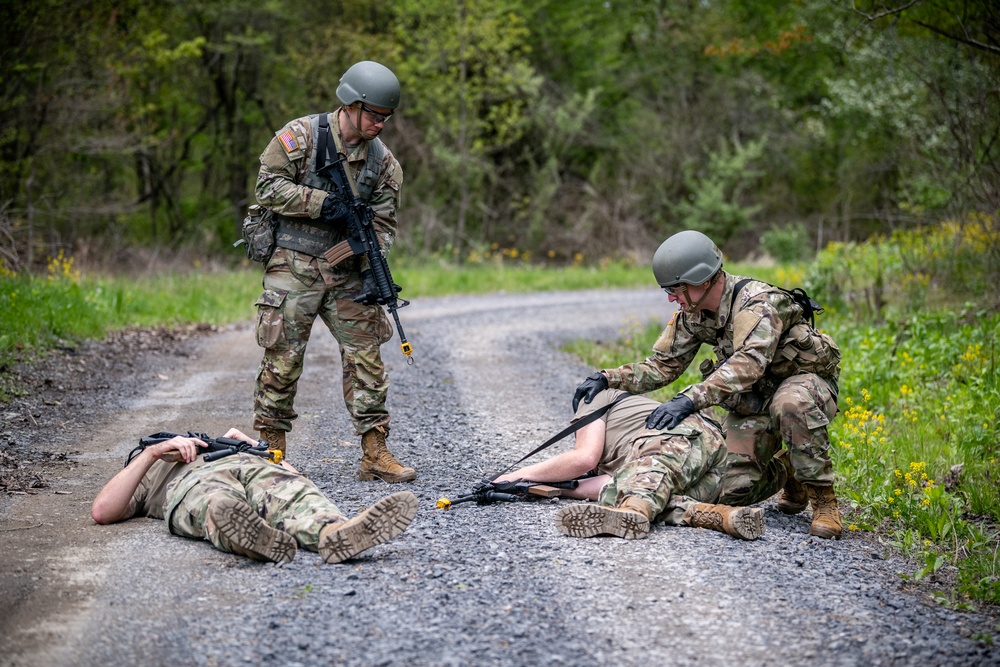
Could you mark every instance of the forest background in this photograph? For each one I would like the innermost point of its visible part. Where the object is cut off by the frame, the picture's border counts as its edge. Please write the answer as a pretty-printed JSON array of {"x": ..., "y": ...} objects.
[
  {"x": 554, "y": 144},
  {"x": 565, "y": 129}
]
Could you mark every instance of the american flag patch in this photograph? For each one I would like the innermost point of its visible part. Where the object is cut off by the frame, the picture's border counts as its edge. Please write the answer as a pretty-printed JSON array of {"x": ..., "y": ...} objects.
[{"x": 287, "y": 140}]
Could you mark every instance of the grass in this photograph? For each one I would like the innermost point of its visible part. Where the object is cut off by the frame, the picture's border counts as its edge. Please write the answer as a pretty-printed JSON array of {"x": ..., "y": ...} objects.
[{"x": 916, "y": 447}]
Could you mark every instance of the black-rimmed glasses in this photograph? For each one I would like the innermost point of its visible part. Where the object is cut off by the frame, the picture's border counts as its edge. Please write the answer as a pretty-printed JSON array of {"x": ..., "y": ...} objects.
[{"x": 376, "y": 116}]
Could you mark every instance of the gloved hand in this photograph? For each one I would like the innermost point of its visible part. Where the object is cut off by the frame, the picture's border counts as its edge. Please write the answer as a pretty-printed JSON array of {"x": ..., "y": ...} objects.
[
  {"x": 335, "y": 210},
  {"x": 671, "y": 413},
  {"x": 592, "y": 386}
]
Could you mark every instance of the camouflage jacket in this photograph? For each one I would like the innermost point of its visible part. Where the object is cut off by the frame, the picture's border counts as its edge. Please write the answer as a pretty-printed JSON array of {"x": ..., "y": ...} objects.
[
  {"x": 764, "y": 340},
  {"x": 287, "y": 160}
]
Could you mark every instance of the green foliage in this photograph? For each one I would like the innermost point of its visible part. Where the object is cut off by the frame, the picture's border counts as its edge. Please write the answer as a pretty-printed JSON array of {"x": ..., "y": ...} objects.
[
  {"x": 715, "y": 203},
  {"x": 786, "y": 244},
  {"x": 916, "y": 448},
  {"x": 942, "y": 263},
  {"x": 585, "y": 127},
  {"x": 62, "y": 307}
]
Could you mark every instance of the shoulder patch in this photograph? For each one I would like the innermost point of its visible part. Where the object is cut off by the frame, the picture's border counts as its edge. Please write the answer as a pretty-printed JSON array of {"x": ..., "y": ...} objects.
[{"x": 288, "y": 141}]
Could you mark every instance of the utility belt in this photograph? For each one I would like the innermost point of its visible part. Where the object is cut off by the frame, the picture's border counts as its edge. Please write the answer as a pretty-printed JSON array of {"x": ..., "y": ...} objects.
[{"x": 312, "y": 237}]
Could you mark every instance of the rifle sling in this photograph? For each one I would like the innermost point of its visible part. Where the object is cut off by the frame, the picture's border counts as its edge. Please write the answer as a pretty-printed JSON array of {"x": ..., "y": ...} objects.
[{"x": 572, "y": 428}]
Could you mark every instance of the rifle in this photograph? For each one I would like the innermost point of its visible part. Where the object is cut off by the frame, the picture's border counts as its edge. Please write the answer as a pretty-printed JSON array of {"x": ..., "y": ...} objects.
[
  {"x": 217, "y": 448},
  {"x": 362, "y": 240},
  {"x": 488, "y": 492}
]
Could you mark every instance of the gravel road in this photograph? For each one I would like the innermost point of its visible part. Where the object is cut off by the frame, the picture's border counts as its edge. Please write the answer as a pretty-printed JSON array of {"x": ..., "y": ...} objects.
[{"x": 494, "y": 585}]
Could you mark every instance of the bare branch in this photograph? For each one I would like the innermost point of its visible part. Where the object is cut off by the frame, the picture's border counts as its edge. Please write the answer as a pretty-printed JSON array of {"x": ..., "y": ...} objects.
[
  {"x": 889, "y": 12},
  {"x": 963, "y": 40}
]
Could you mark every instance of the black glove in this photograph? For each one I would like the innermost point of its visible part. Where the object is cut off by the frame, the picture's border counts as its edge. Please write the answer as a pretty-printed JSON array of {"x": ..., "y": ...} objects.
[
  {"x": 592, "y": 386},
  {"x": 671, "y": 413},
  {"x": 335, "y": 210}
]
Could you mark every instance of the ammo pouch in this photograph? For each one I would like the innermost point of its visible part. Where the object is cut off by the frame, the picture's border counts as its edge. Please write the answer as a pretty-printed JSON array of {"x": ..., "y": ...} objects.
[
  {"x": 258, "y": 234},
  {"x": 803, "y": 349}
]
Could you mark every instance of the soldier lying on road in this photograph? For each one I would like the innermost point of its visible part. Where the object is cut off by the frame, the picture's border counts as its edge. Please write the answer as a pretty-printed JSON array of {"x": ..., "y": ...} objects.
[
  {"x": 673, "y": 475},
  {"x": 245, "y": 504}
]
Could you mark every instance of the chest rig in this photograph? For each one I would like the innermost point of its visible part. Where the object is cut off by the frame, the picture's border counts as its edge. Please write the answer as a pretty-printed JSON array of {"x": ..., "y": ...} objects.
[
  {"x": 314, "y": 236},
  {"x": 801, "y": 347}
]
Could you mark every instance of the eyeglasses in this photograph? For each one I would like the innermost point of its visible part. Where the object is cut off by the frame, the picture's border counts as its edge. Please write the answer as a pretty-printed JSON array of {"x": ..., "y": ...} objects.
[
  {"x": 375, "y": 116},
  {"x": 672, "y": 289}
]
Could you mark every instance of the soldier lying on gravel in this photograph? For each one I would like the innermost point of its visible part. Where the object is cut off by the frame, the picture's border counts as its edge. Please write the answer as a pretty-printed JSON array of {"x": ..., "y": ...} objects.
[
  {"x": 673, "y": 475},
  {"x": 245, "y": 504}
]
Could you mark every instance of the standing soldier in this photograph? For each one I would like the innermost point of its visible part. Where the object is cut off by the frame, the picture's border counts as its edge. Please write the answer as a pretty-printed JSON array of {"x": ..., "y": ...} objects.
[
  {"x": 299, "y": 283},
  {"x": 776, "y": 376}
]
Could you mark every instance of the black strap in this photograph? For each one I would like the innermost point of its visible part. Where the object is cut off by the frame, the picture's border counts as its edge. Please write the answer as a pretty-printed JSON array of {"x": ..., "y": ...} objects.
[
  {"x": 324, "y": 147},
  {"x": 572, "y": 428},
  {"x": 736, "y": 290},
  {"x": 808, "y": 305},
  {"x": 721, "y": 331}
]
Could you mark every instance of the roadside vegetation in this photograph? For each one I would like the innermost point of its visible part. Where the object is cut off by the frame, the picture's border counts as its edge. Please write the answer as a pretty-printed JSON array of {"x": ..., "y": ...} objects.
[
  {"x": 916, "y": 448},
  {"x": 917, "y": 445}
]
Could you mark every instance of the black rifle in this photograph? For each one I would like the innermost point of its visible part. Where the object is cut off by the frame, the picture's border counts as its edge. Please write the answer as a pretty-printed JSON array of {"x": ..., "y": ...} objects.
[
  {"x": 361, "y": 240},
  {"x": 217, "y": 448},
  {"x": 488, "y": 492}
]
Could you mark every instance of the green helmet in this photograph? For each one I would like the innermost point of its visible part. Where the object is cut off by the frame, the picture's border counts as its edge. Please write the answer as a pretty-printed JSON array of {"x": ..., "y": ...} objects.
[
  {"x": 686, "y": 257},
  {"x": 371, "y": 83}
]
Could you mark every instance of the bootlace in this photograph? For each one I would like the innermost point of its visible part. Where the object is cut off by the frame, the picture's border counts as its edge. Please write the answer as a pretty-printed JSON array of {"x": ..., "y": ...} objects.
[{"x": 708, "y": 519}]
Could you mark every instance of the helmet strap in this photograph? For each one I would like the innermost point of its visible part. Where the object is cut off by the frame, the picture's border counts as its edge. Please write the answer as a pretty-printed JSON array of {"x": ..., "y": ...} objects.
[
  {"x": 693, "y": 305},
  {"x": 356, "y": 127}
]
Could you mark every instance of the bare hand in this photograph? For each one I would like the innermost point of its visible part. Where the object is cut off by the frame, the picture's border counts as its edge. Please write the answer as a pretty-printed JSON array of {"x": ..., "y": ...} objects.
[
  {"x": 237, "y": 434},
  {"x": 178, "y": 448}
]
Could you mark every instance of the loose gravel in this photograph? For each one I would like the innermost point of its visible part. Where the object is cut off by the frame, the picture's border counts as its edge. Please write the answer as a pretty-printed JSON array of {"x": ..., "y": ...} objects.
[{"x": 477, "y": 585}]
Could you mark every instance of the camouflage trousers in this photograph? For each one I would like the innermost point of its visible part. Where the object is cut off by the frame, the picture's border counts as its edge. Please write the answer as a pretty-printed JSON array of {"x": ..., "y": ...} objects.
[
  {"x": 285, "y": 500},
  {"x": 297, "y": 288},
  {"x": 797, "y": 415},
  {"x": 671, "y": 469}
]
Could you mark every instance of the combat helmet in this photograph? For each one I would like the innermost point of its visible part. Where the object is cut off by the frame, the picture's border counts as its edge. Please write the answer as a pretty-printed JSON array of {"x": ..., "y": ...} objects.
[
  {"x": 371, "y": 83},
  {"x": 687, "y": 257}
]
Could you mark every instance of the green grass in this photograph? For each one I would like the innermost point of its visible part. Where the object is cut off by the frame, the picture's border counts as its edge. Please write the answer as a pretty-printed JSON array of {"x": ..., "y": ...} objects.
[
  {"x": 919, "y": 390},
  {"x": 916, "y": 447}
]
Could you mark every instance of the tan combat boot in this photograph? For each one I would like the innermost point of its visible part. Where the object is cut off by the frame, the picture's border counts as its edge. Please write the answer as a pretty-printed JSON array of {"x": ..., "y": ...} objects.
[
  {"x": 377, "y": 462},
  {"x": 746, "y": 523},
  {"x": 826, "y": 516},
  {"x": 793, "y": 497},
  {"x": 245, "y": 533},
  {"x": 629, "y": 520},
  {"x": 275, "y": 439},
  {"x": 378, "y": 524}
]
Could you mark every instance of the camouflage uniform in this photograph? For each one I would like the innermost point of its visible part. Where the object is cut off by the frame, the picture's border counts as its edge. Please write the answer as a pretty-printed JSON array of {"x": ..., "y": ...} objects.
[
  {"x": 776, "y": 376},
  {"x": 182, "y": 494},
  {"x": 671, "y": 469},
  {"x": 300, "y": 285}
]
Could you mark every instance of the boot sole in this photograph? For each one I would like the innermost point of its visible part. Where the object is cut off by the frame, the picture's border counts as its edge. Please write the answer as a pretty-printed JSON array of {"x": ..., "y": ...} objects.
[
  {"x": 378, "y": 524},
  {"x": 746, "y": 523},
  {"x": 366, "y": 476},
  {"x": 593, "y": 520},
  {"x": 249, "y": 535}
]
